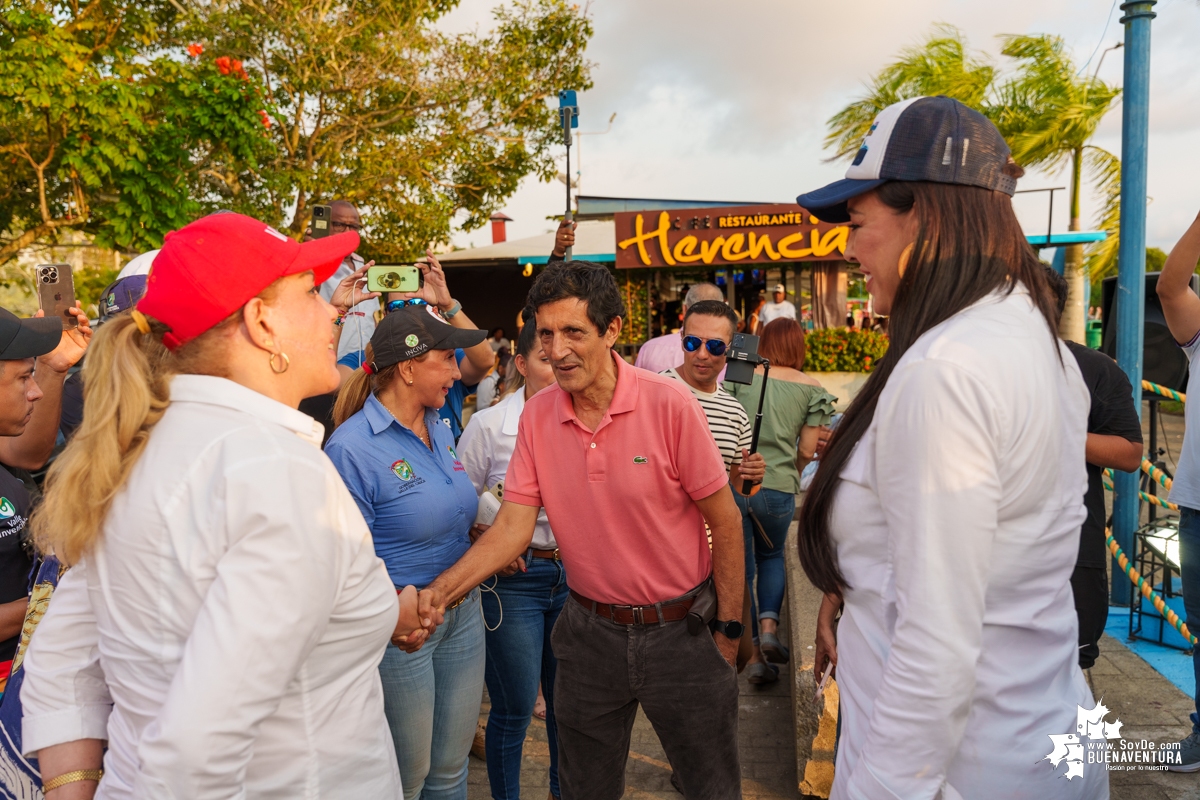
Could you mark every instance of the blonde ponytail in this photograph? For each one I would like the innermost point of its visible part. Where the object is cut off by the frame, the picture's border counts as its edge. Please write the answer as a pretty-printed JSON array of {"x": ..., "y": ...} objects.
[
  {"x": 126, "y": 390},
  {"x": 354, "y": 392}
]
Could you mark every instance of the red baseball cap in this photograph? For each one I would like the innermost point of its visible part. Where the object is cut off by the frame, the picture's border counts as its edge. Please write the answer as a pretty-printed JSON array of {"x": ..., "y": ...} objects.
[{"x": 211, "y": 268}]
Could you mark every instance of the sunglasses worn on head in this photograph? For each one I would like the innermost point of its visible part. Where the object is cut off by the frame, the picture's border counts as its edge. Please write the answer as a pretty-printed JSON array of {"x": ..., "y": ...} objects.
[
  {"x": 714, "y": 346},
  {"x": 396, "y": 305}
]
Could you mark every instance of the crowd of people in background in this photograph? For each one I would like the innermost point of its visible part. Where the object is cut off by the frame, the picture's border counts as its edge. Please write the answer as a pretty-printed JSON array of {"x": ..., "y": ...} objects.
[{"x": 293, "y": 529}]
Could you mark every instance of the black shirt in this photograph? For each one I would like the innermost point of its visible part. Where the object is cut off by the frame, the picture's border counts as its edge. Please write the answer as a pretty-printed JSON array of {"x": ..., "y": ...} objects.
[
  {"x": 1112, "y": 414},
  {"x": 15, "y": 562}
]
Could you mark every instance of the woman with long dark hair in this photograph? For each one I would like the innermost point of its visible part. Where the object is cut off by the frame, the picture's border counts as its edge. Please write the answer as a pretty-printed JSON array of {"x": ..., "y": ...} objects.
[{"x": 946, "y": 512}]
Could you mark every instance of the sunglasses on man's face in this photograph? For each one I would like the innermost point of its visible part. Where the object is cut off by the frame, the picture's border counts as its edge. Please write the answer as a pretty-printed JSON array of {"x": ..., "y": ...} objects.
[{"x": 715, "y": 347}]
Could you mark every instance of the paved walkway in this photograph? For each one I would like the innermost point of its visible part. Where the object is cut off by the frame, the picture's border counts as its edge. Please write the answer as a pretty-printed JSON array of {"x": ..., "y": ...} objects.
[{"x": 765, "y": 733}]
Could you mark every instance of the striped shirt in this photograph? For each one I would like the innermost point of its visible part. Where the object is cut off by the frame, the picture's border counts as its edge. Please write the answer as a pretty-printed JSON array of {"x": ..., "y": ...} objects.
[{"x": 727, "y": 420}]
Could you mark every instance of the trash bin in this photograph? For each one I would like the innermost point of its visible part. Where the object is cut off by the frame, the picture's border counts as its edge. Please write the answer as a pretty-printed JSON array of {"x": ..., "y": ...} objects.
[{"x": 1093, "y": 334}]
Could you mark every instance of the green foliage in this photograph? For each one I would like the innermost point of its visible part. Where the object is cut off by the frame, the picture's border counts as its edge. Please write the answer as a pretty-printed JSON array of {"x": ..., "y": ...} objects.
[
  {"x": 942, "y": 65},
  {"x": 373, "y": 103},
  {"x": 1046, "y": 111},
  {"x": 107, "y": 128},
  {"x": 89, "y": 283},
  {"x": 125, "y": 120},
  {"x": 843, "y": 350}
]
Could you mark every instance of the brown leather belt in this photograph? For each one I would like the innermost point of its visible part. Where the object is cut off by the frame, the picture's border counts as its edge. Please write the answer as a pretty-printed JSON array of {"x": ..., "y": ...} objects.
[
  {"x": 550, "y": 554},
  {"x": 637, "y": 615}
]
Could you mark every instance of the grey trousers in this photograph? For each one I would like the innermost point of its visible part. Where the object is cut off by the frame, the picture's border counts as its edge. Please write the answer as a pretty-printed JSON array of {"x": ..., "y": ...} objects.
[{"x": 687, "y": 689}]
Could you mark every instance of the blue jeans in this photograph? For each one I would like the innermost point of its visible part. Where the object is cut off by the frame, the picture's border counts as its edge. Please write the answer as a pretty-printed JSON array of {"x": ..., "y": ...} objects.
[
  {"x": 522, "y": 608},
  {"x": 774, "y": 511},
  {"x": 1189, "y": 573},
  {"x": 431, "y": 699}
]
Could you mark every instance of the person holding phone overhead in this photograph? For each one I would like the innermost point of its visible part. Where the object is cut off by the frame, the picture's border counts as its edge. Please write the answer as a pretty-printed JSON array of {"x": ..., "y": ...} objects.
[
  {"x": 216, "y": 558},
  {"x": 400, "y": 464},
  {"x": 473, "y": 362},
  {"x": 521, "y": 606}
]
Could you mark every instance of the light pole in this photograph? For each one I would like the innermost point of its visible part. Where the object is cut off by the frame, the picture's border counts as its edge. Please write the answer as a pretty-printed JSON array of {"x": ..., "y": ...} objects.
[{"x": 1131, "y": 257}]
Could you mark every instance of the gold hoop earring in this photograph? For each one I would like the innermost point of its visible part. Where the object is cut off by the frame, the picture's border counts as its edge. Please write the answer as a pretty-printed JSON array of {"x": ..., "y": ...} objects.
[{"x": 287, "y": 362}]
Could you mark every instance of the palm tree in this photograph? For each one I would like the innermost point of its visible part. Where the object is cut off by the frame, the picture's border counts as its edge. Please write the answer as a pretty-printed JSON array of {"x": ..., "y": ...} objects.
[
  {"x": 1046, "y": 112},
  {"x": 941, "y": 66}
]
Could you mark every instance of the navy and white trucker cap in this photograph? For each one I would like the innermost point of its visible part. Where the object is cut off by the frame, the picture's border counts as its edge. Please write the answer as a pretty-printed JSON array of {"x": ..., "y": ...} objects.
[{"x": 935, "y": 139}]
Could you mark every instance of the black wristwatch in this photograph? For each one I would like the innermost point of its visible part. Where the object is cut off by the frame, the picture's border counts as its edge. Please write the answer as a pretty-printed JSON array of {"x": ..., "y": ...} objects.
[{"x": 730, "y": 629}]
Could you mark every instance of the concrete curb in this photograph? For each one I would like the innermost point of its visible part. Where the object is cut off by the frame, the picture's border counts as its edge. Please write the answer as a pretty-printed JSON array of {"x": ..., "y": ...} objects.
[{"x": 815, "y": 722}]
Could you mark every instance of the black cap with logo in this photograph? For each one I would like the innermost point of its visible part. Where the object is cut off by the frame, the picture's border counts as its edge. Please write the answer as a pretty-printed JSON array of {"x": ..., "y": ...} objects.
[
  {"x": 415, "y": 329},
  {"x": 934, "y": 139},
  {"x": 27, "y": 338}
]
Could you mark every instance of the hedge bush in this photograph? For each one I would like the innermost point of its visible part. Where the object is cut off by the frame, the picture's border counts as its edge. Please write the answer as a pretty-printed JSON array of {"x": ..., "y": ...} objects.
[{"x": 843, "y": 350}]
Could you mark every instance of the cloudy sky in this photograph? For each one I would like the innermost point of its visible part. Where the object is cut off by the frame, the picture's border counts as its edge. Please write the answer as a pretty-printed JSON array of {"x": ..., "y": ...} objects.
[{"x": 728, "y": 100}]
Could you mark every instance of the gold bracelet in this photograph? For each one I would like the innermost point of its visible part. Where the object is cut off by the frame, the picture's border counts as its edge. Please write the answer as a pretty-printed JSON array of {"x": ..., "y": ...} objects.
[{"x": 73, "y": 777}]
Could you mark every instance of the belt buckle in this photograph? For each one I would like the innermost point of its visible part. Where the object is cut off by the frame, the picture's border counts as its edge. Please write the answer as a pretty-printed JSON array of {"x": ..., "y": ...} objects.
[
  {"x": 555, "y": 556},
  {"x": 634, "y": 611}
]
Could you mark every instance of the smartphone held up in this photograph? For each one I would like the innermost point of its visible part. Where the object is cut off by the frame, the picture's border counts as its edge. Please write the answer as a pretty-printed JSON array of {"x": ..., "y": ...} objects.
[
  {"x": 322, "y": 217},
  {"x": 56, "y": 292},
  {"x": 393, "y": 278}
]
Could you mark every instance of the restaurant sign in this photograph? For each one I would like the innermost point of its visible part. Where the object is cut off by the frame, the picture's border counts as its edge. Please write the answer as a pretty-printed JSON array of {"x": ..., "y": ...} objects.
[{"x": 731, "y": 235}]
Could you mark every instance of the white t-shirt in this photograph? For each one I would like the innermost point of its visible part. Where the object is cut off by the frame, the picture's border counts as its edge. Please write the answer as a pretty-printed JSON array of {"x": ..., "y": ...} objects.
[
  {"x": 487, "y": 446},
  {"x": 1185, "y": 491},
  {"x": 773, "y": 311}
]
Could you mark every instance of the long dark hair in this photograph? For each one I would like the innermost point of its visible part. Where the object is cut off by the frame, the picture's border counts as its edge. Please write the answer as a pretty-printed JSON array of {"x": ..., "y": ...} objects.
[{"x": 968, "y": 246}]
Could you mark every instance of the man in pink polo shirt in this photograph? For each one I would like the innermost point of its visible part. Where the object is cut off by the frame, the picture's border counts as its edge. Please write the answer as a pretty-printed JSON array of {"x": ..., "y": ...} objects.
[{"x": 624, "y": 464}]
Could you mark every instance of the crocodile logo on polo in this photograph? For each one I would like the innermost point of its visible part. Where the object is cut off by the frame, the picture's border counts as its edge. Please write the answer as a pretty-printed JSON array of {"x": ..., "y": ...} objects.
[
  {"x": 403, "y": 470},
  {"x": 7, "y": 509},
  {"x": 641, "y": 460}
]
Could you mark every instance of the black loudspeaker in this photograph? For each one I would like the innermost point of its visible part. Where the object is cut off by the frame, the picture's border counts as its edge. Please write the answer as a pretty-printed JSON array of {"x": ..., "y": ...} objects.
[{"x": 1163, "y": 361}]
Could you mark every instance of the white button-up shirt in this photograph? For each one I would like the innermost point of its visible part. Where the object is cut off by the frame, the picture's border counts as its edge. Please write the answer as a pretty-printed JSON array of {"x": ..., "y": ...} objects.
[
  {"x": 226, "y": 632},
  {"x": 956, "y": 524},
  {"x": 487, "y": 446}
]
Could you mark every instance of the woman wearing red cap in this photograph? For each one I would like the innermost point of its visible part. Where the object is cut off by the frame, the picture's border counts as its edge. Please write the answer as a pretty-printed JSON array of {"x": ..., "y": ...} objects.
[{"x": 225, "y": 612}]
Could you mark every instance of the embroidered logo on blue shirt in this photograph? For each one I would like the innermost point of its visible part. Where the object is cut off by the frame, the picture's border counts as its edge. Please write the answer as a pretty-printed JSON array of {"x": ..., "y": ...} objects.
[
  {"x": 458, "y": 467},
  {"x": 403, "y": 470}
]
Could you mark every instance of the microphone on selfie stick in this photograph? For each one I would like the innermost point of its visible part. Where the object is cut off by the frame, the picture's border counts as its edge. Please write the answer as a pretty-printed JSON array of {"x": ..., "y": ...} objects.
[
  {"x": 740, "y": 360},
  {"x": 568, "y": 117}
]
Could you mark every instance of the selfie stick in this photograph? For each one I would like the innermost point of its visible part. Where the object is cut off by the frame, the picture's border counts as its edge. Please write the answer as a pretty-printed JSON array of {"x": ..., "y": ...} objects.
[
  {"x": 762, "y": 395},
  {"x": 568, "y": 116}
]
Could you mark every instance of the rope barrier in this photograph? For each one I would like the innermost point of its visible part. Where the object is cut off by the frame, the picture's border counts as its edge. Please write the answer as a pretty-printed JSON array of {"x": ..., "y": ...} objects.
[
  {"x": 1157, "y": 474},
  {"x": 1147, "y": 591},
  {"x": 1164, "y": 391},
  {"x": 1149, "y": 498}
]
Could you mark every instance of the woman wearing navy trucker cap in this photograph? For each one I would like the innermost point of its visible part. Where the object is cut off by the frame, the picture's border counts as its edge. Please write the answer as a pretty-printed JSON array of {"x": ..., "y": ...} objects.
[
  {"x": 225, "y": 613},
  {"x": 946, "y": 512}
]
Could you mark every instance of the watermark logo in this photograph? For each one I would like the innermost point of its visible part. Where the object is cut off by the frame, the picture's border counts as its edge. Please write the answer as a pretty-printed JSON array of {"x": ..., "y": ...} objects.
[{"x": 1097, "y": 742}]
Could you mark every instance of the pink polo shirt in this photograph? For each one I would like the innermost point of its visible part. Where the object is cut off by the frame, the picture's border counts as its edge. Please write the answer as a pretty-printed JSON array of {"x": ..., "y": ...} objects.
[{"x": 621, "y": 499}]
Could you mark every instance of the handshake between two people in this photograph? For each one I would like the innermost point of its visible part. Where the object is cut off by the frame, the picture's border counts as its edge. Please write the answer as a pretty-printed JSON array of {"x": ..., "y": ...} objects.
[{"x": 421, "y": 612}]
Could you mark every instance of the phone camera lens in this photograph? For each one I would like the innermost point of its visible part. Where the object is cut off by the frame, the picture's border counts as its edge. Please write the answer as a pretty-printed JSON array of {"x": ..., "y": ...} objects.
[{"x": 390, "y": 280}]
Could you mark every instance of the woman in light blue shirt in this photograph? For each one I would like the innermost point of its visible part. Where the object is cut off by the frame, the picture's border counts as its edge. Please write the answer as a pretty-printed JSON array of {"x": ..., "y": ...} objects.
[{"x": 399, "y": 463}]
